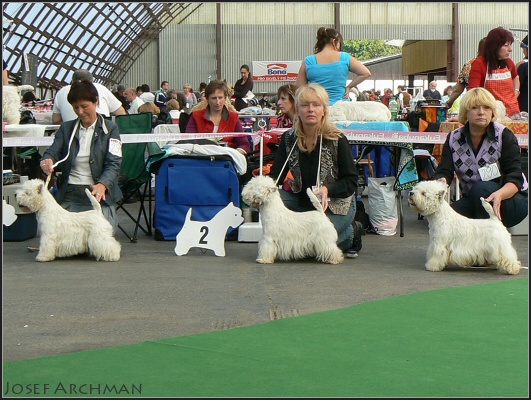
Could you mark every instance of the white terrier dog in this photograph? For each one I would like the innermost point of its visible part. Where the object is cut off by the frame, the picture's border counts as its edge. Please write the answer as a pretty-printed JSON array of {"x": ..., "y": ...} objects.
[
  {"x": 64, "y": 233},
  {"x": 11, "y": 103},
  {"x": 289, "y": 235},
  {"x": 456, "y": 240},
  {"x": 208, "y": 234},
  {"x": 359, "y": 111}
]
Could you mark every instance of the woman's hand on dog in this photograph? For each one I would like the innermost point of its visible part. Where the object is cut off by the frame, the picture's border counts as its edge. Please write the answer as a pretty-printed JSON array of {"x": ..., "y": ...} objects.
[
  {"x": 98, "y": 191},
  {"x": 322, "y": 194}
]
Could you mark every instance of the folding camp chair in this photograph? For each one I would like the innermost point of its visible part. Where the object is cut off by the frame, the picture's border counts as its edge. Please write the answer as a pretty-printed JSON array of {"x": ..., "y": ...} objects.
[{"x": 135, "y": 179}]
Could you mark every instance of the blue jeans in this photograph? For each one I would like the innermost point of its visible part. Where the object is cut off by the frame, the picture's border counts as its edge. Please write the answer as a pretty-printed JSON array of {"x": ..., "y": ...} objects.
[
  {"x": 76, "y": 200},
  {"x": 513, "y": 210},
  {"x": 342, "y": 223}
]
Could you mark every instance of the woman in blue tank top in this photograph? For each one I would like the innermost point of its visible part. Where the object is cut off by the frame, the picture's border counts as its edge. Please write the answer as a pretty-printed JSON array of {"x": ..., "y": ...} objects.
[{"x": 329, "y": 66}]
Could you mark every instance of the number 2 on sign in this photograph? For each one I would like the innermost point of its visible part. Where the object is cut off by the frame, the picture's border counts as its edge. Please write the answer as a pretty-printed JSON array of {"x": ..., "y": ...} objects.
[{"x": 204, "y": 230}]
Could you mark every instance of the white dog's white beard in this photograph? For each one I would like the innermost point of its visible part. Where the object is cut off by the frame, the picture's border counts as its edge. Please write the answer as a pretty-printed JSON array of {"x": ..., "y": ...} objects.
[
  {"x": 359, "y": 111},
  {"x": 11, "y": 103},
  {"x": 459, "y": 241},
  {"x": 289, "y": 235},
  {"x": 63, "y": 233}
]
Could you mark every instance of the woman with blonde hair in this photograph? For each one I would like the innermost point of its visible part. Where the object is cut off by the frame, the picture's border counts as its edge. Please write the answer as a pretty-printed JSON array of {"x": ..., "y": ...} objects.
[
  {"x": 150, "y": 107},
  {"x": 190, "y": 99},
  {"x": 317, "y": 155},
  {"x": 485, "y": 156}
]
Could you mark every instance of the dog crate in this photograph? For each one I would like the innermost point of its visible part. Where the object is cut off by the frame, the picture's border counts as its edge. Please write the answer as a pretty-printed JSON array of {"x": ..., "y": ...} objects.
[
  {"x": 25, "y": 226},
  {"x": 206, "y": 184}
]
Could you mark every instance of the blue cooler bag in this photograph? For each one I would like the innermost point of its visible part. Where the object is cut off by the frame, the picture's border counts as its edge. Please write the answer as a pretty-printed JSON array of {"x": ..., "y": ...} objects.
[{"x": 206, "y": 184}]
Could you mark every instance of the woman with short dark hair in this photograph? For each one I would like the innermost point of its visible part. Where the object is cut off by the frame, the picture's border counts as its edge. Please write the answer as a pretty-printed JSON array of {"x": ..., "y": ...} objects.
[{"x": 87, "y": 151}]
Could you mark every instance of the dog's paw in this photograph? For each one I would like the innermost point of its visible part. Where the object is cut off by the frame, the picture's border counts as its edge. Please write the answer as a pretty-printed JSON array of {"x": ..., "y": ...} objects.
[
  {"x": 264, "y": 261},
  {"x": 513, "y": 269},
  {"x": 41, "y": 258},
  {"x": 434, "y": 268}
]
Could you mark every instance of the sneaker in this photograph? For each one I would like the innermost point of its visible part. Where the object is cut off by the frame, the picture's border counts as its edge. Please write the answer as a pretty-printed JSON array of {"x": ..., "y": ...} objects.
[
  {"x": 358, "y": 232},
  {"x": 351, "y": 253}
]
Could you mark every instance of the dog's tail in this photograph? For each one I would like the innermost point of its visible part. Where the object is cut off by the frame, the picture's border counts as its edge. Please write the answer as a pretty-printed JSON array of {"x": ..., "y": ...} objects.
[
  {"x": 24, "y": 87},
  {"x": 488, "y": 208},
  {"x": 315, "y": 201},
  {"x": 95, "y": 204}
]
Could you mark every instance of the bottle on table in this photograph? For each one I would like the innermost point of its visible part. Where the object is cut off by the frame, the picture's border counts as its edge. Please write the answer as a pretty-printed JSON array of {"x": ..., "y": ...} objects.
[{"x": 393, "y": 107}]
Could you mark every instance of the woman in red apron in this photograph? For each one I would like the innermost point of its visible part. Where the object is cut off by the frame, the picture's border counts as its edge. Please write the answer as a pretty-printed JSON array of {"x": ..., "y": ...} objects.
[{"x": 496, "y": 72}]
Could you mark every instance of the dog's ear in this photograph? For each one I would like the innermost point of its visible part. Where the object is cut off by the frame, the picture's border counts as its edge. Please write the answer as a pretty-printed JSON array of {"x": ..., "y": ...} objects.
[
  {"x": 40, "y": 188},
  {"x": 441, "y": 194}
]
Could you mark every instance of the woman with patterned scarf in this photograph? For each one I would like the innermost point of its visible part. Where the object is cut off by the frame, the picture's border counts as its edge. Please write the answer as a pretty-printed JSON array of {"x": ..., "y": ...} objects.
[{"x": 316, "y": 154}]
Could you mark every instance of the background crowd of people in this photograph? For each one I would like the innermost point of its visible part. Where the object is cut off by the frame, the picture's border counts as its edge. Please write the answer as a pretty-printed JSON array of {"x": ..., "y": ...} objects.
[{"x": 303, "y": 107}]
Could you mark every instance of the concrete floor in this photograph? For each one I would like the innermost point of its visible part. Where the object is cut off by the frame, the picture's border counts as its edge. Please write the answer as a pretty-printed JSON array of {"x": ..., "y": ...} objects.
[{"x": 79, "y": 304}]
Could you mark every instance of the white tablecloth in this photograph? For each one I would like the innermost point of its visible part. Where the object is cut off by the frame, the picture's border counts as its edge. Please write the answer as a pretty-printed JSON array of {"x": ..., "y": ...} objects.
[{"x": 25, "y": 130}]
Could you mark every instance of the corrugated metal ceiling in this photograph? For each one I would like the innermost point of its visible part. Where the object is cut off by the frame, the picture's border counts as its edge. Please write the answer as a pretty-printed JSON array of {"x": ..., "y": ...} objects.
[{"x": 61, "y": 36}]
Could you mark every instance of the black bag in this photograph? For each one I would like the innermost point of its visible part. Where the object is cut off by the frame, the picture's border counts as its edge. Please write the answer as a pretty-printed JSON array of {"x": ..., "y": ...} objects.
[
  {"x": 27, "y": 117},
  {"x": 362, "y": 216}
]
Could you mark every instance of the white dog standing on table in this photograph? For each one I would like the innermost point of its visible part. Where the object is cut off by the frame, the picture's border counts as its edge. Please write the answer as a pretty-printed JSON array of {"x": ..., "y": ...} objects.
[
  {"x": 11, "y": 103},
  {"x": 64, "y": 233},
  {"x": 456, "y": 240},
  {"x": 289, "y": 235}
]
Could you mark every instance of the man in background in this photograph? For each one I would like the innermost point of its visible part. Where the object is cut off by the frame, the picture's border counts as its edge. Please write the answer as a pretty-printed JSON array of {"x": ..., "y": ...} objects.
[
  {"x": 108, "y": 104},
  {"x": 133, "y": 99},
  {"x": 119, "y": 93},
  {"x": 161, "y": 96},
  {"x": 432, "y": 92},
  {"x": 146, "y": 94}
]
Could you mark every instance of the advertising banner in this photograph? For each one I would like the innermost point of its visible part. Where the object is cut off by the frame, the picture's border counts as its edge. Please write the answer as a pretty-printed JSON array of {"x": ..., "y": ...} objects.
[{"x": 275, "y": 70}]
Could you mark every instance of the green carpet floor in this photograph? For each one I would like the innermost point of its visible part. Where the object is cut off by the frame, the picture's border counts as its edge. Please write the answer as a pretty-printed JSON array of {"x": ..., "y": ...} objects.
[{"x": 456, "y": 342}]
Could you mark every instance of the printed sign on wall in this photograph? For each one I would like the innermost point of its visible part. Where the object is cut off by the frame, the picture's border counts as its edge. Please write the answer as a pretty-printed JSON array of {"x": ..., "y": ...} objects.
[{"x": 275, "y": 70}]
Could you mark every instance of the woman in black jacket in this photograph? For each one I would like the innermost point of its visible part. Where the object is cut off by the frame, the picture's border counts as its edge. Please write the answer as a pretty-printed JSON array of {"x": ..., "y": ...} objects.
[{"x": 242, "y": 87}]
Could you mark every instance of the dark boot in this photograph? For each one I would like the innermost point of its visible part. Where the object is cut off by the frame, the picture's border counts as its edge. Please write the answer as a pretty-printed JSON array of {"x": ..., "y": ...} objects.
[
  {"x": 356, "y": 241},
  {"x": 358, "y": 232}
]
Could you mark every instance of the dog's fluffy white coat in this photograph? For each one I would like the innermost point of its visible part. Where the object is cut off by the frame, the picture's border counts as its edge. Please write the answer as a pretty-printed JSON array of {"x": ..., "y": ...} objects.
[
  {"x": 289, "y": 235},
  {"x": 11, "y": 102},
  {"x": 456, "y": 240},
  {"x": 359, "y": 111},
  {"x": 64, "y": 233}
]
